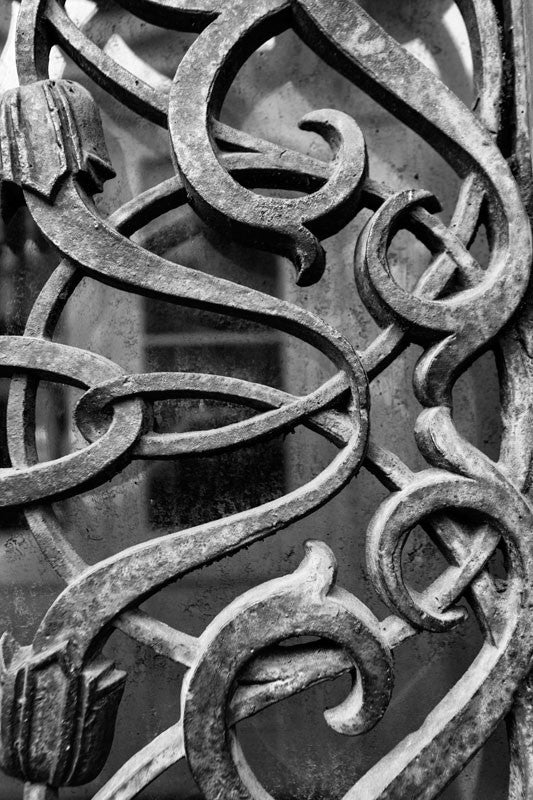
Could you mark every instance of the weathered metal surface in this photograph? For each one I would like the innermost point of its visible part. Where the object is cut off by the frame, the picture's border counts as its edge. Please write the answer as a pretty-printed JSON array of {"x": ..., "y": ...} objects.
[{"x": 59, "y": 695}]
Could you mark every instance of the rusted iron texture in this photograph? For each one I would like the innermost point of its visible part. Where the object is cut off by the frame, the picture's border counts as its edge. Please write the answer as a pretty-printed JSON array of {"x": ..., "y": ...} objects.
[{"x": 60, "y": 695}]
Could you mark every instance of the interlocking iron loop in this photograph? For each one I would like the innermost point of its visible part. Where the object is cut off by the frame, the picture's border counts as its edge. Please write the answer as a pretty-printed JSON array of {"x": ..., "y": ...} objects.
[{"x": 59, "y": 694}]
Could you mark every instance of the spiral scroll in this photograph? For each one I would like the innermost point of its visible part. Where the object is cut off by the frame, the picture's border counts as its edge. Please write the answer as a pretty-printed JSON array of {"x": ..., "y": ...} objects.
[{"x": 60, "y": 695}]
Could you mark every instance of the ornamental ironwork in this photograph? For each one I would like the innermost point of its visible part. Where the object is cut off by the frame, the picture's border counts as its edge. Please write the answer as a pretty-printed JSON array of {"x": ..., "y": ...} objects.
[{"x": 60, "y": 695}]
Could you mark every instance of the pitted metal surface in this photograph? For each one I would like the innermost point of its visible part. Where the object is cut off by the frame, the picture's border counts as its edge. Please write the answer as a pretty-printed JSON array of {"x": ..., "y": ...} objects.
[{"x": 60, "y": 695}]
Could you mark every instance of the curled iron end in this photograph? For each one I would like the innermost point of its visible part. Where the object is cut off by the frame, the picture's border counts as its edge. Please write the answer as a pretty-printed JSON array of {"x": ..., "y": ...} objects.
[
  {"x": 318, "y": 568},
  {"x": 50, "y": 129},
  {"x": 325, "y": 211},
  {"x": 308, "y": 257}
]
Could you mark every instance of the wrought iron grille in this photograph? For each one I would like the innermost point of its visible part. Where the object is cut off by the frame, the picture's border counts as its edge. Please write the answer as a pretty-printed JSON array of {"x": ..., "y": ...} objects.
[{"x": 60, "y": 693}]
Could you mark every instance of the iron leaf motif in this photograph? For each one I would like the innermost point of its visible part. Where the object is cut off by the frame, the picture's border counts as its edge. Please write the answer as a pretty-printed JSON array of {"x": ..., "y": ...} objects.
[{"x": 60, "y": 695}]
